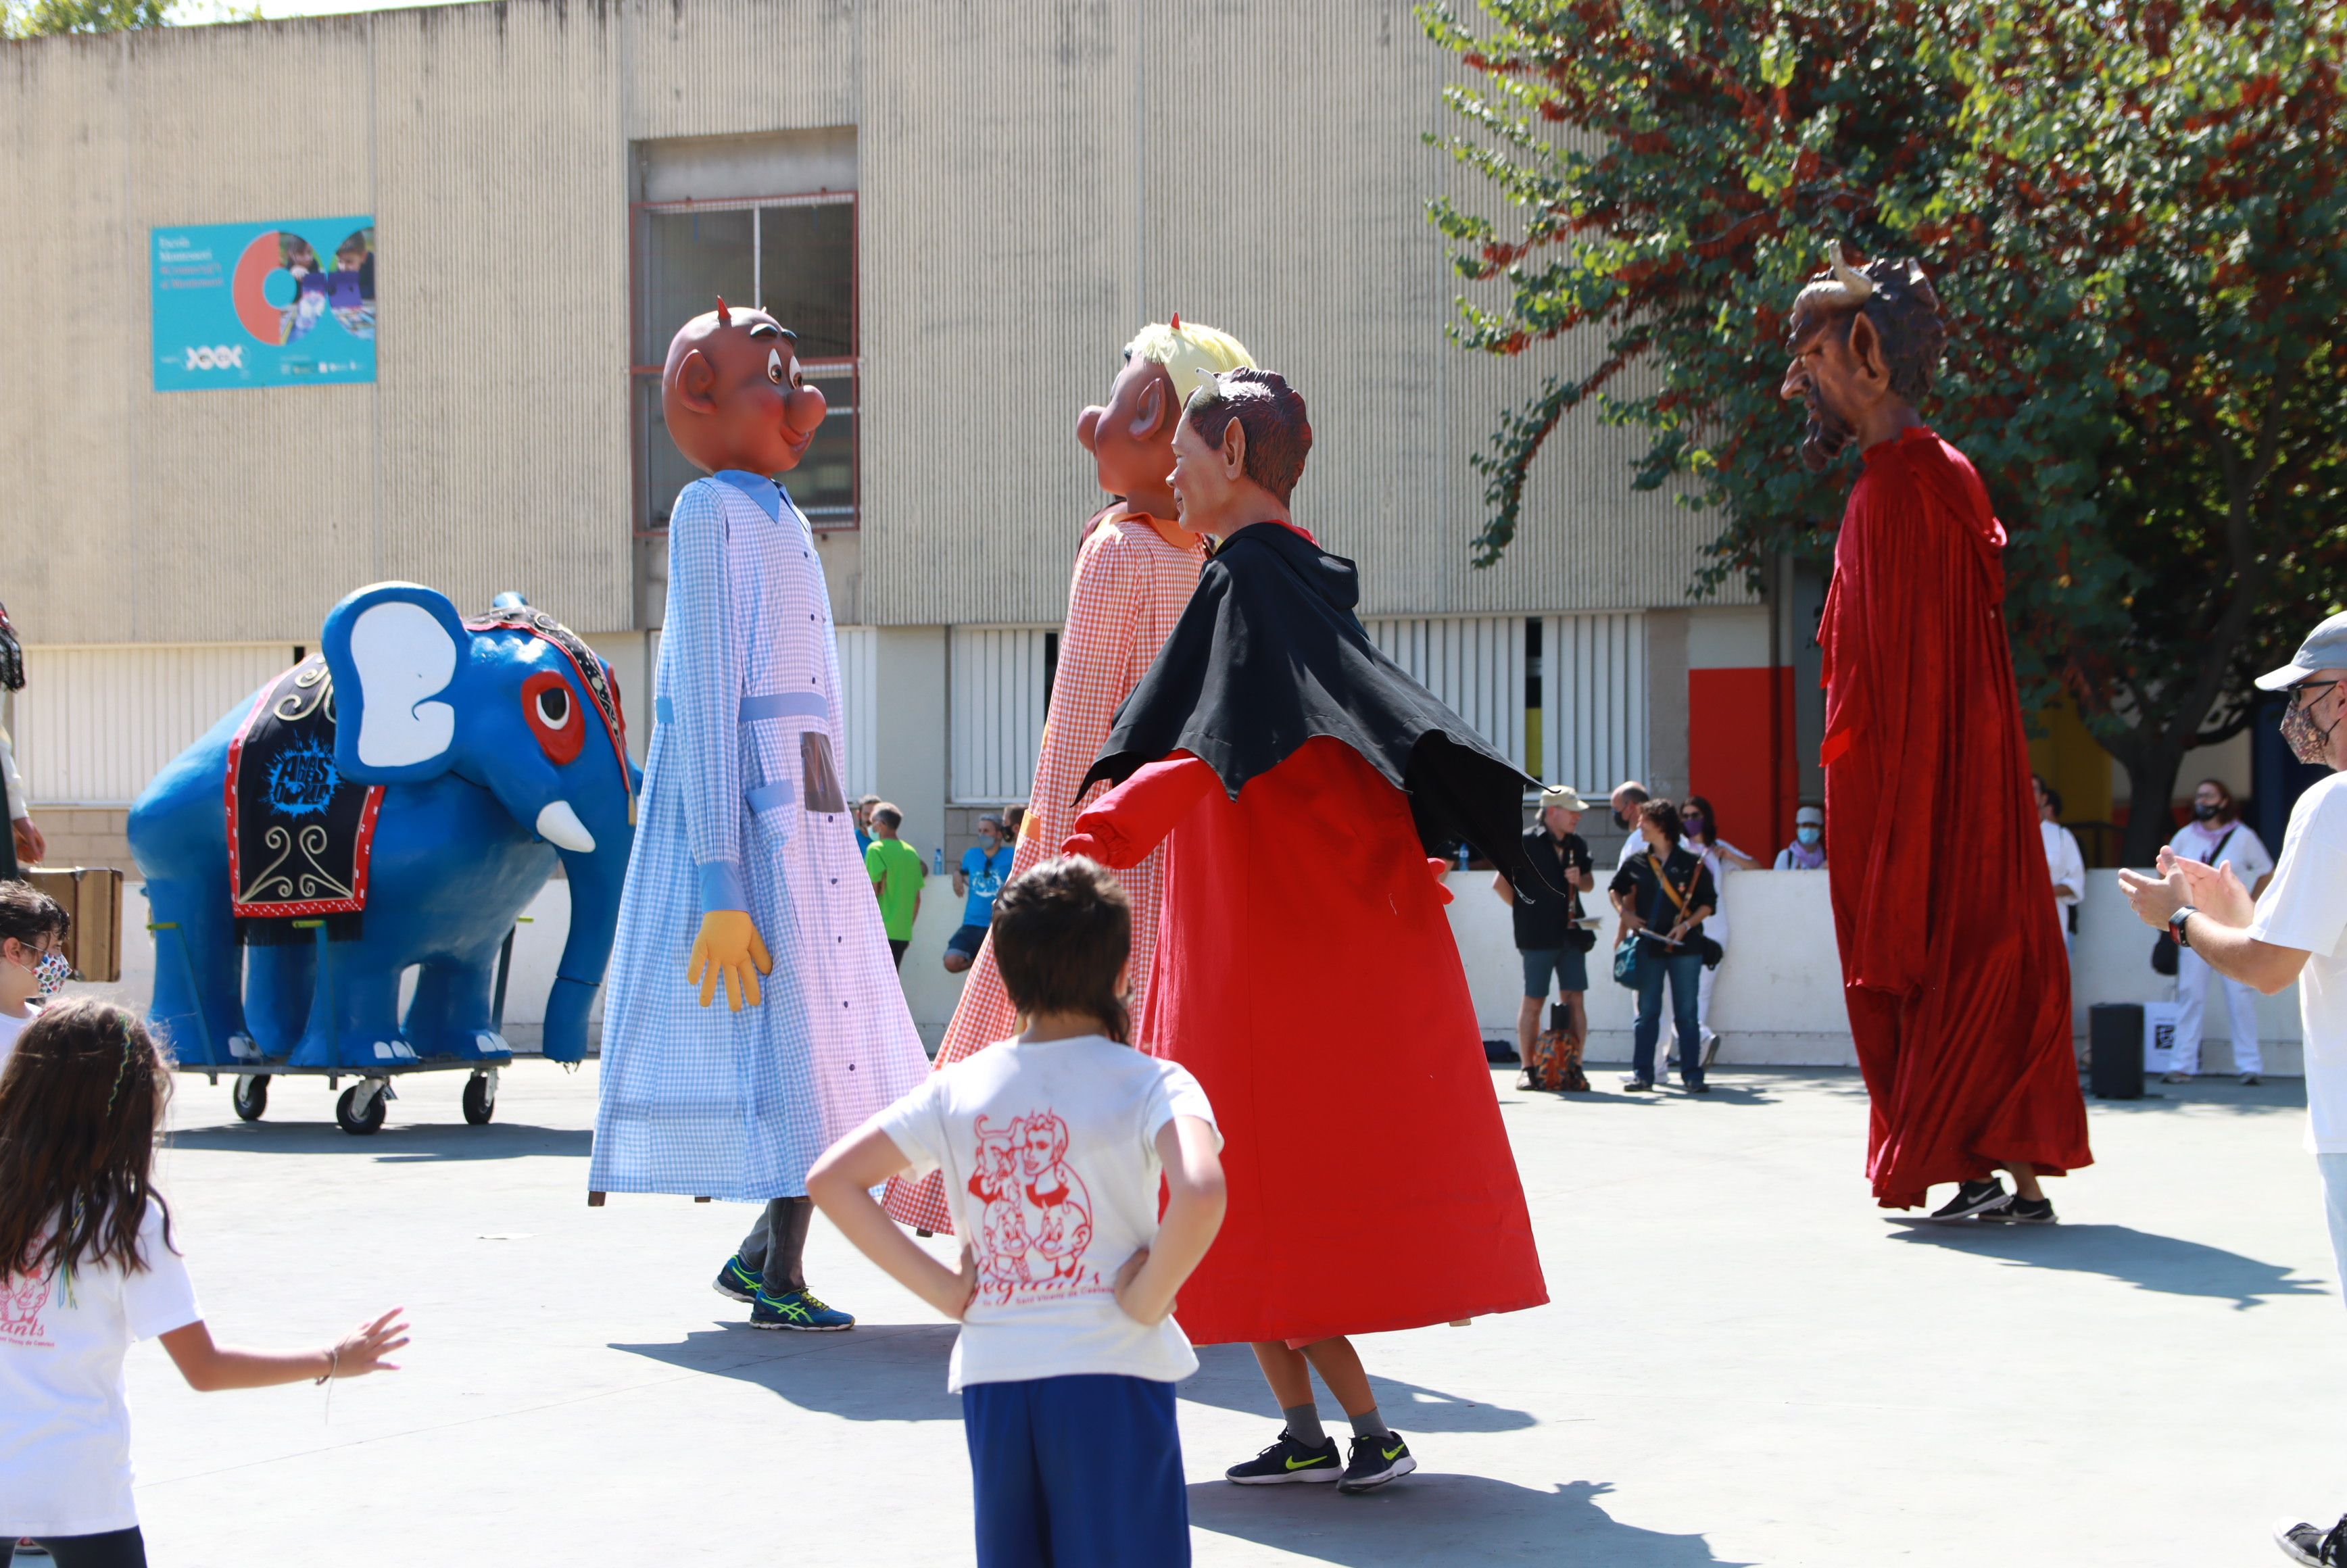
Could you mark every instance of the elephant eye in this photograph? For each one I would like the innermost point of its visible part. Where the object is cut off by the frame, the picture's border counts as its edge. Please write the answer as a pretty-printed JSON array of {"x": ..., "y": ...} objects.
[{"x": 553, "y": 717}]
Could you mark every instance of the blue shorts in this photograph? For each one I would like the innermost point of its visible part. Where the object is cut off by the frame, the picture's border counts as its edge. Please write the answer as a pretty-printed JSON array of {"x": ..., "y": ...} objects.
[
  {"x": 965, "y": 940},
  {"x": 1568, "y": 963},
  {"x": 1082, "y": 1471}
]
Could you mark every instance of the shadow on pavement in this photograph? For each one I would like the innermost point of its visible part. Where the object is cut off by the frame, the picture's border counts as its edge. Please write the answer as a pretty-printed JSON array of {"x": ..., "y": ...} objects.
[
  {"x": 885, "y": 1372},
  {"x": 1229, "y": 1380},
  {"x": 395, "y": 1144},
  {"x": 2147, "y": 1262},
  {"x": 1433, "y": 1518}
]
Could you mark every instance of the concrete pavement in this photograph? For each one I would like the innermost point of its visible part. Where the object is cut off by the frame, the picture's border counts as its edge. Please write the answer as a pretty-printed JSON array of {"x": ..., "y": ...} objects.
[{"x": 1744, "y": 1362}]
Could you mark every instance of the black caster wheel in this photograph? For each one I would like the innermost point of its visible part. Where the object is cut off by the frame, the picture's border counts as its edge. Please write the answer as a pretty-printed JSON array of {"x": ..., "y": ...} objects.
[
  {"x": 359, "y": 1126},
  {"x": 251, "y": 1096},
  {"x": 480, "y": 1098}
]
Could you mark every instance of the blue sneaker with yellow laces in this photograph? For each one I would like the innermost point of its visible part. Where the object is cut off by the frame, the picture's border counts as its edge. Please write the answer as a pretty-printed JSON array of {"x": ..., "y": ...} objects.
[
  {"x": 799, "y": 1309},
  {"x": 735, "y": 1283}
]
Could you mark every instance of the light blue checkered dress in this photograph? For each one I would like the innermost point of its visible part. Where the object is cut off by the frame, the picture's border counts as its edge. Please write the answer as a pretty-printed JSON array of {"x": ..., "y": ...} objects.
[{"x": 707, "y": 1101}]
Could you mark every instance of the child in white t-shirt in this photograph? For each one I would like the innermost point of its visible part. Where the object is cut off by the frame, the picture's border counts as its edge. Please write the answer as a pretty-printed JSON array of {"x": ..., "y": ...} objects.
[
  {"x": 87, "y": 1266},
  {"x": 33, "y": 927},
  {"x": 1053, "y": 1144}
]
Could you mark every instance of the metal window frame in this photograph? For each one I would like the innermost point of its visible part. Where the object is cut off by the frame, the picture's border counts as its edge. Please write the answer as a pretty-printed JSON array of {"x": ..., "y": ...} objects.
[{"x": 851, "y": 367}]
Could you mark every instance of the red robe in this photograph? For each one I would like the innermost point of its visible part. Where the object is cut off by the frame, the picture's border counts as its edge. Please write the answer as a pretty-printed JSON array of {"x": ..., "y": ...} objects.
[
  {"x": 1307, "y": 977},
  {"x": 1952, "y": 962}
]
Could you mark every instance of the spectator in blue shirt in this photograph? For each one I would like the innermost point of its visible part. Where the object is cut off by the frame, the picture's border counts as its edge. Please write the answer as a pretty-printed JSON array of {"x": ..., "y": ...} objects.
[{"x": 983, "y": 870}]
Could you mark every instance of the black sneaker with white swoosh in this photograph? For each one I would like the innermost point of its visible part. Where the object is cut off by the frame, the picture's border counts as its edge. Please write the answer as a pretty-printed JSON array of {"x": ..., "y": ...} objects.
[
  {"x": 1287, "y": 1460},
  {"x": 1377, "y": 1460}
]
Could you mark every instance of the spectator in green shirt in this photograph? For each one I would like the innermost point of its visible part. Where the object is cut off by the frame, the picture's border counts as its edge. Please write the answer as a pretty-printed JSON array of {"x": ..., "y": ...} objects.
[{"x": 896, "y": 869}]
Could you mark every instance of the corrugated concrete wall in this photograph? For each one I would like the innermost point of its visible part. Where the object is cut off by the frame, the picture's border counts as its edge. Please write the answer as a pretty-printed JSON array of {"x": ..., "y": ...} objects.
[{"x": 1035, "y": 180}]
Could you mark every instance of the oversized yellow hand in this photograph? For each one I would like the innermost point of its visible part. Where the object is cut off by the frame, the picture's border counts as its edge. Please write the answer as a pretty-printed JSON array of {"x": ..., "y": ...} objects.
[{"x": 728, "y": 945}]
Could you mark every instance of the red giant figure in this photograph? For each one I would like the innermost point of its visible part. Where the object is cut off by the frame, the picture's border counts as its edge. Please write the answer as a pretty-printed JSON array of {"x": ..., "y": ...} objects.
[
  {"x": 1306, "y": 972},
  {"x": 1953, "y": 967}
]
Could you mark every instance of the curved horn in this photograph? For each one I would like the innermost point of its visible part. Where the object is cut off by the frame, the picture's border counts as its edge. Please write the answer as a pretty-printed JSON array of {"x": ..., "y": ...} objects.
[
  {"x": 1857, "y": 285},
  {"x": 724, "y": 316}
]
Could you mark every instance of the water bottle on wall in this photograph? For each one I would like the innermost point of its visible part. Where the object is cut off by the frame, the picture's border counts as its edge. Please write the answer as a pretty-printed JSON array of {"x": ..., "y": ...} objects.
[
  {"x": 940, "y": 867},
  {"x": 1463, "y": 855}
]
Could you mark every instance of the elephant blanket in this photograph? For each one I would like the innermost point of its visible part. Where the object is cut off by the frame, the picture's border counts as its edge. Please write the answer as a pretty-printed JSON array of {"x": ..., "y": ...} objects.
[
  {"x": 742, "y": 809},
  {"x": 300, "y": 836}
]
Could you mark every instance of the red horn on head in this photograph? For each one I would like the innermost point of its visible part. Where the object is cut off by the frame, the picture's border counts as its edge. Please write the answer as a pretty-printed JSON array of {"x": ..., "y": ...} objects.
[
  {"x": 724, "y": 316},
  {"x": 1176, "y": 322}
]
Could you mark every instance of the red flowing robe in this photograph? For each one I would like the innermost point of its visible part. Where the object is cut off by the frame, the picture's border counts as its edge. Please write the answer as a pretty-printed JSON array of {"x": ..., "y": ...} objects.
[
  {"x": 1307, "y": 977},
  {"x": 1952, "y": 960}
]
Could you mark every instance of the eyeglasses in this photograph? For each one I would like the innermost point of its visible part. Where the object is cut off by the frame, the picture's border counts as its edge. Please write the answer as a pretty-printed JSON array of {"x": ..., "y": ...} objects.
[{"x": 2298, "y": 694}]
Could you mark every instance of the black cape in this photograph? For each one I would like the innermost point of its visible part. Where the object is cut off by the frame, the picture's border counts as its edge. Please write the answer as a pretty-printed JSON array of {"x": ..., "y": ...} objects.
[{"x": 1268, "y": 655}]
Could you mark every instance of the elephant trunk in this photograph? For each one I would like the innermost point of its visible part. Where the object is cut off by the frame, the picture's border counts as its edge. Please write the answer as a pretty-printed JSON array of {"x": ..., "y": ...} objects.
[{"x": 596, "y": 880}]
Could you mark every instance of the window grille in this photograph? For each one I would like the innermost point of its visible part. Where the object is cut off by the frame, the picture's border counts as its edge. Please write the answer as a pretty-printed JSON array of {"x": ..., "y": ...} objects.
[
  {"x": 999, "y": 690},
  {"x": 1593, "y": 720}
]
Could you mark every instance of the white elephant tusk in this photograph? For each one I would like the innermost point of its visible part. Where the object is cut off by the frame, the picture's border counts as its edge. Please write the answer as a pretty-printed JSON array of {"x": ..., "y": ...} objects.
[{"x": 559, "y": 826}]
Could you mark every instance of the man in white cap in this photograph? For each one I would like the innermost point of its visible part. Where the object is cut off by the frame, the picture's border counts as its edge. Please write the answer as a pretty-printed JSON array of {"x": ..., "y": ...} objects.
[
  {"x": 1808, "y": 850},
  {"x": 1548, "y": 935},
  {"x": 2295, "y": 930}
]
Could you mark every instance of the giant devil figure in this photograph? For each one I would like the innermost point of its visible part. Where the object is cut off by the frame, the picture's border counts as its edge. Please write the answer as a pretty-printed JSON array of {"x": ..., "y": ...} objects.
[
  {"x": 746, "y": 862},
  {"x": 1306, "y": 972},
  {"x": 1135, "y": 569},
  {"x": 1952, "y": 965}
]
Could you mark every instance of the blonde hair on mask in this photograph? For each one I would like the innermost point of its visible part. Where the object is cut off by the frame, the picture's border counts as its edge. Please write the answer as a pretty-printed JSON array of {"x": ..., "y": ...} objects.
[{"x": 1192, "y": 354}]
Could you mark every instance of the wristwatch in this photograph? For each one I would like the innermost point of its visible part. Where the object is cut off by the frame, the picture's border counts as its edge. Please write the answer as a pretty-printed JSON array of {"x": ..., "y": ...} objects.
[{"x": 2176, "y": 924}]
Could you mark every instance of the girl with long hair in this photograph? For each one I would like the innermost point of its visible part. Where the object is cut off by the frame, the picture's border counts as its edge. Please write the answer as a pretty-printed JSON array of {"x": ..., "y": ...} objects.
[{"x": 87, "y": 1265}]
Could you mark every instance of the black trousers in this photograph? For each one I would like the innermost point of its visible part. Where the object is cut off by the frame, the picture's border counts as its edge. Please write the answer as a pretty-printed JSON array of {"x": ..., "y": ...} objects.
[
  {"x": 773, "y": 1247},
  {"x": 115, "y": 1549}
]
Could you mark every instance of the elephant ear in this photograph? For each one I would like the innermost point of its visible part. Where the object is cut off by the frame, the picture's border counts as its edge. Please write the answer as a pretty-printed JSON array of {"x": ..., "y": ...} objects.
[{"x": 394, "y": 649}]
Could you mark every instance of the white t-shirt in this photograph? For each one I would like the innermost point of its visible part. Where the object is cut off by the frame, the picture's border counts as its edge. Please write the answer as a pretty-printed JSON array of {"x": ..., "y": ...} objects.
[
  {"x": 2067, "y": 865},
  {"x": 1719, "y": 866},
  {"x": 2305, "y": 907},
  {"x": 2244, "y": 851},
  {"x": 10, "y": 1027},
  {"x": 64, "y": 1420},
  {"x": 1051, "y": 1171}
]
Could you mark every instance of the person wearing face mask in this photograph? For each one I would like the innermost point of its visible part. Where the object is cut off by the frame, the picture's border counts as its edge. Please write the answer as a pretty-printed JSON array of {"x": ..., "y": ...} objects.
[
  {"x": 33, "y": 964},
  {"x": 2217, "y": 836},
  {"x": 1808, "y": 850},
  {"x": 1628, "y": 797},
  {"x": 1719, "y": 858},
  {"x": 2296, "y": 930}
]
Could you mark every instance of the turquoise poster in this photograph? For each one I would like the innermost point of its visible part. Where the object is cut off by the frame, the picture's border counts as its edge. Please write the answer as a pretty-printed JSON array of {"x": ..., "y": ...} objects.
[{"x": 263, "y": 305}]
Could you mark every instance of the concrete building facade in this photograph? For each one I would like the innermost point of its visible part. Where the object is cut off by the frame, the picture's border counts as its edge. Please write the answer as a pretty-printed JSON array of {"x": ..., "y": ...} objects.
[{"x": 966, "y": 208}]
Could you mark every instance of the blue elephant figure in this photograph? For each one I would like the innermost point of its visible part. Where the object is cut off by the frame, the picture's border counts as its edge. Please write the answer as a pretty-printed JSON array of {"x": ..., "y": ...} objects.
[{"x": 475, "y": 755}]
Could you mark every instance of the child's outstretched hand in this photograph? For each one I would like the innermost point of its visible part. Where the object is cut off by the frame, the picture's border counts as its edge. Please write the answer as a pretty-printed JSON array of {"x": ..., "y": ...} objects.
[{"x": 362, "y": 1349}]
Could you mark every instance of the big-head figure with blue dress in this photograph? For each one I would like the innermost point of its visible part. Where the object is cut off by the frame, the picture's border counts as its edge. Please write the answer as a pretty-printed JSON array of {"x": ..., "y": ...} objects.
[{"x": 752, "y": 1015}]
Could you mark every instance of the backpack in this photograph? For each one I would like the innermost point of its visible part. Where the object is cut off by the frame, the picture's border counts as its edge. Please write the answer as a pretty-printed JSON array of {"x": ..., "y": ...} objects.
[{"x": 1554, "y": 1065}]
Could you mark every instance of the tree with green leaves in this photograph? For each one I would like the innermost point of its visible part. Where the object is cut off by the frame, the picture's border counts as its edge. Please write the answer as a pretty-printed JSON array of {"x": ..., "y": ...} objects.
[
  {"x": 42, "y": 19},
  {"x": 2133, "y": 214}
]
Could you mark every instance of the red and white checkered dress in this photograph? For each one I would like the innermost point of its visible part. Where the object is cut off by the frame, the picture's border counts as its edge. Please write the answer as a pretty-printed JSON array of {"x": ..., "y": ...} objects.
[{"x": 1129, "y": 590}]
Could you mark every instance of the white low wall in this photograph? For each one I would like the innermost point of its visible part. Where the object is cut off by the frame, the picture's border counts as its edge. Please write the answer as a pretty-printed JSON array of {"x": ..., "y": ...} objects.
[{"x": 1777, "y": 999}]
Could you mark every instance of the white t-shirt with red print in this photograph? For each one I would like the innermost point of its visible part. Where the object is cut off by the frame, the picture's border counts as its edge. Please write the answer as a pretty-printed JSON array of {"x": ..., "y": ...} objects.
[
  {"x": 64, "y": 1420},
  {"x": 1051, "y": 1171}
]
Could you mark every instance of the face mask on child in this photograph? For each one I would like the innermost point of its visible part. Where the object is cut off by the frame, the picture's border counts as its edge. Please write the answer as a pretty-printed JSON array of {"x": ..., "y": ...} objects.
[
  {"x": 50, "y": 972},
  {"x": 1808, "y": 835}
]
